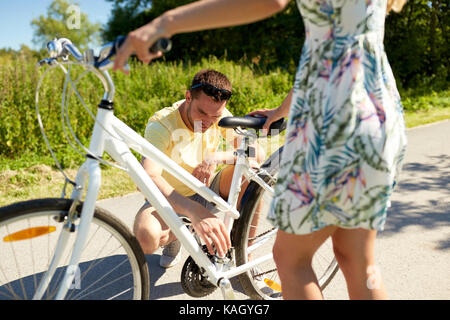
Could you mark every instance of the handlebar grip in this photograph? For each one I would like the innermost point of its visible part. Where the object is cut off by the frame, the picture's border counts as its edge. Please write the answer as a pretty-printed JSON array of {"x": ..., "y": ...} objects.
[{"x": 163, "y": 44}]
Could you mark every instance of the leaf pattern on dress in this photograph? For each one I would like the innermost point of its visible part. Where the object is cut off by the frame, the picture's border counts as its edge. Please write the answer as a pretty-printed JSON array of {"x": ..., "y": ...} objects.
[
  {"x": 368, "y": 152},
  {"x": 346, "y": 138}
]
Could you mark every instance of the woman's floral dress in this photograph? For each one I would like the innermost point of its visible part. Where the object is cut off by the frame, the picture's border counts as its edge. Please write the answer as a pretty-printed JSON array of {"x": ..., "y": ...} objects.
[{"x": 346, "y": 135}]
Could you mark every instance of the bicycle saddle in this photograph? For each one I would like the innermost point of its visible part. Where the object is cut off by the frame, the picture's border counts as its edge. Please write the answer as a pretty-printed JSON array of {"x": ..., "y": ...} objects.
[{"x": 250, "y": 122}]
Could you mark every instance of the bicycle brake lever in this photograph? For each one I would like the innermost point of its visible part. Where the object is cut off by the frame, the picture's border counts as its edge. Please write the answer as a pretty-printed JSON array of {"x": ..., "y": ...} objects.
[{"x": 49, "y": 61}]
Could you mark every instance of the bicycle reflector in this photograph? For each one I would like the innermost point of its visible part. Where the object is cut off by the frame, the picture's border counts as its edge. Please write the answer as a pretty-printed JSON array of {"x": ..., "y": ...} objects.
[
  {"x": 29, "y": 233},
  {"x": 273, "y": 285}
]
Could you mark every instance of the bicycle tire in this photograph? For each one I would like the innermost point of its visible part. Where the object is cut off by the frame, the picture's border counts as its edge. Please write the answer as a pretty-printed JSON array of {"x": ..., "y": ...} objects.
[
  {"x": 240, "y": 238},
  {"x": 19, "y": 280}
]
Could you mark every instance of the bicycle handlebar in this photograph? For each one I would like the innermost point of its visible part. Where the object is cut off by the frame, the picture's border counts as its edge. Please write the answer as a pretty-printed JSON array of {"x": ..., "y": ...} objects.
[
  {"x": 63, "y": 47},
  {"x": 109, "y": 50}
]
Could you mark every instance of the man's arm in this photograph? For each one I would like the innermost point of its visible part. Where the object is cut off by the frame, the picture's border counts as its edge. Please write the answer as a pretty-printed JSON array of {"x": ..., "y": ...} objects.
[
  {"x": 208, "y": 227},
  {"x": 229, "y": 157}
]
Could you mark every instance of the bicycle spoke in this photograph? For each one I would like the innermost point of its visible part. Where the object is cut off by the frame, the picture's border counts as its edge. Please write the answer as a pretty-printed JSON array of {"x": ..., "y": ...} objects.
[
  {"x": 119, "y": 294},
  {"x": 17, "y": 265},
  {"x": 101, "y": 278},
  {"x": 22, "y": 269},
  {"x": 13, "y": 297},
  {"x": 110, "y": 283},
  {"x": 96, "y": 262}
]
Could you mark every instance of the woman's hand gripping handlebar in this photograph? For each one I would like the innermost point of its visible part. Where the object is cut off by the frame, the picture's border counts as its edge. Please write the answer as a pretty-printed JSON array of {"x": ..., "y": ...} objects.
[
  {"x": 144, "y": 48},
  {"x": 63, "y": 48}
]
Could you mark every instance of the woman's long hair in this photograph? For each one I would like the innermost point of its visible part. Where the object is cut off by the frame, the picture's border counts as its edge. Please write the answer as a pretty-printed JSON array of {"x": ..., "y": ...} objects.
[{"x": 395, "y": 5}]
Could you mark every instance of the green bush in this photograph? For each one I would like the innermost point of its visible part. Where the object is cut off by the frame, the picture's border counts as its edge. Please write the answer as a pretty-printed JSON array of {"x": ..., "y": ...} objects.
[{"x": 138, "y": 96}]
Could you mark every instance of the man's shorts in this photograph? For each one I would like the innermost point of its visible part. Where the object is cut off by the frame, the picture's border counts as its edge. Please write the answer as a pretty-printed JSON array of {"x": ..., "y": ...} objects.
[{"x": 214, "y": 186}]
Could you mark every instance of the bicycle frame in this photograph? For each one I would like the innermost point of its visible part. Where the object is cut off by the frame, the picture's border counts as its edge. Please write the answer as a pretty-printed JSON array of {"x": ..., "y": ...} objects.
[{"x": 114, "y": 137}]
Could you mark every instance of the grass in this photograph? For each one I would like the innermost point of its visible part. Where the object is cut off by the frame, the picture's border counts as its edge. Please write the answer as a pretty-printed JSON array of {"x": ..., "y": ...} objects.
[
  {"x": 421, "y": 117},
  {"x": 26, "y": 174},
  {"x": 19, "y": 181},
  {"x": 43, "y": 181},
  {"x": 425, "y": 107},
  {"x": 138, "y": 96}
]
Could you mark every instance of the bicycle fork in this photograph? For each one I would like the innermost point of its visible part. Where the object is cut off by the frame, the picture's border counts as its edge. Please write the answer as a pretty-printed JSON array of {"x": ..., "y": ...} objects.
[{"x": 89, "y": 170}]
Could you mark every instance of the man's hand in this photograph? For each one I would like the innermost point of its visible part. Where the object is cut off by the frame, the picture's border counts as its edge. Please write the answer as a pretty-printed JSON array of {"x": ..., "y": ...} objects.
[
  {"x": 204, "y": 171},
  {"x": 207, "y": 226},
  {"x": 211, "y": 230}
]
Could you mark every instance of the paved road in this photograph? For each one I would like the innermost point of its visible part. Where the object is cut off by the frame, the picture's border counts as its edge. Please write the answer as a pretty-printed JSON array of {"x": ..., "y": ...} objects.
[{"x": 413, "y": 252}]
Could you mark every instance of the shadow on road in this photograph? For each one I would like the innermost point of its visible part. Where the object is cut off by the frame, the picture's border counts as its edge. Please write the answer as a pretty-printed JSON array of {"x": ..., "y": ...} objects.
[
  {"x": 423, "y": 198},
  {"x": 163, "y": 290},
  {"x": 98, "y": 279}
]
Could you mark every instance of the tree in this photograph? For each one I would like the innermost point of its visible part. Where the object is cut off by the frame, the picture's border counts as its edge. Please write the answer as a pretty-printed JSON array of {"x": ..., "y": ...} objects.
[
  {"x": 65, "y": 20},
  {"x": 416, "y": 39},
  {"x": 417, "y": 44},
  {"x": 254, "y": 42}
]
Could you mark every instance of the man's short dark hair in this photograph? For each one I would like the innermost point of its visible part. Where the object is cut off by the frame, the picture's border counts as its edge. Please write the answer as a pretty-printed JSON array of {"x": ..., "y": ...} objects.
[{"x": 212, "y": 77}]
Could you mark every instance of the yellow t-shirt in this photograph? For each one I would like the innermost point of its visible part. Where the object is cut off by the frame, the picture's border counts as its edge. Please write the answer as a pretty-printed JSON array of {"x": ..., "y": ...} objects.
[{"x": 167, "y": 131}]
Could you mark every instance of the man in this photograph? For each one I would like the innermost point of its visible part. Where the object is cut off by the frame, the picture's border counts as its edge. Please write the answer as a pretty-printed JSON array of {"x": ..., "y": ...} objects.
[{"x": 188, "y": 133}]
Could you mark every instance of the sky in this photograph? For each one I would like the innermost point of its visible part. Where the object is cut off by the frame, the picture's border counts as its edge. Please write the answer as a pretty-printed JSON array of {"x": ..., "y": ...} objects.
[{"x": 16, "y": 16}]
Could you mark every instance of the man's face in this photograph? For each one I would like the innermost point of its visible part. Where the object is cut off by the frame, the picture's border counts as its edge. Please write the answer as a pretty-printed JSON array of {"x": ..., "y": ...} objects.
[{"x": 203, "y": 111}]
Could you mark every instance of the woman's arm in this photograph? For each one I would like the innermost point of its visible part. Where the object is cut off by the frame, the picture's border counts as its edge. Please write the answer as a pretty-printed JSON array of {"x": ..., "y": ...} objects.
[
  {"x": 200, "y": 15},
  {"x": 210, "y": 14},
  {"x": 273, "y": 115}
]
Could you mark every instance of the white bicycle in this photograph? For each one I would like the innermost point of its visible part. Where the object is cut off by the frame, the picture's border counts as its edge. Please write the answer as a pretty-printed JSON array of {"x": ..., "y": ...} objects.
[{"x": 70, "y": 249}]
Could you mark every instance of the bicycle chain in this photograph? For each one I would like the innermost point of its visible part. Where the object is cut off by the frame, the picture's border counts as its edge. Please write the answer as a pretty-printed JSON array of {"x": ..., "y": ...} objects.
[
  {"x": 193, "y": 281},
  {"x": 261, "y": 235}
]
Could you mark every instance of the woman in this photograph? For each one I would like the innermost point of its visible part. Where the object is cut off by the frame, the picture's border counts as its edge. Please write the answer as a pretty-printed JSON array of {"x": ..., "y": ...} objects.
[{"x": 345, "y": 140}]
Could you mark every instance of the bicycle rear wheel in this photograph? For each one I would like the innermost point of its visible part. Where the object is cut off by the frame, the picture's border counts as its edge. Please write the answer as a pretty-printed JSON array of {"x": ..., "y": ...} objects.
[
  {"x": 254, "y": 237},
  {"x": 112, "y": 265}
]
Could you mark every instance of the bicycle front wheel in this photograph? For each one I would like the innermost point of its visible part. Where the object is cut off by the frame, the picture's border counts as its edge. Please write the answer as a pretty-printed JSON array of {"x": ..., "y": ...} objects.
[
  {"x": 254, "y": 238},
  {"x": 112, "y": 265}
]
